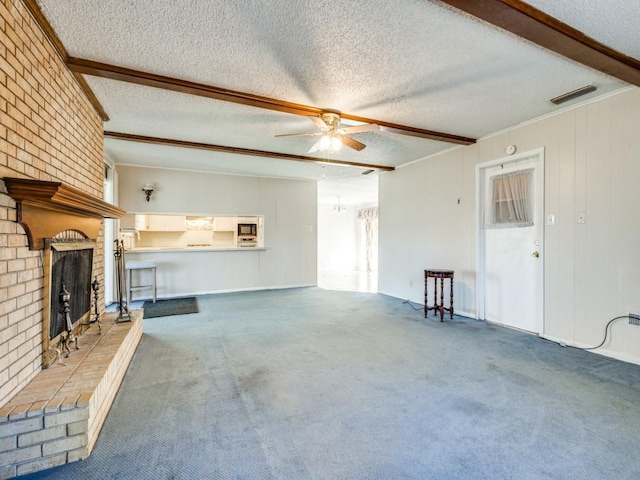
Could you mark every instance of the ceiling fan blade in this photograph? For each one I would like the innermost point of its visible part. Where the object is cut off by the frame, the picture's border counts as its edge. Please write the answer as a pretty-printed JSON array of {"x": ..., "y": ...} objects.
[
  {"x": 351, "y": 143},
  {"x": 315, "y": 147},
  {"x": 319, "y": 123},
  {"x": 368, "y": 127},
  {"x": 314, "y": 134}
]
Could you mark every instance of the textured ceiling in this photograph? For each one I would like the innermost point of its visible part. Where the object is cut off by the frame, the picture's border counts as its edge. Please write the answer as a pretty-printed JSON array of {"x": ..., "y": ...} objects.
[
  {"x": 411, "y": 62},
  {"x": 612, "y": 22}
]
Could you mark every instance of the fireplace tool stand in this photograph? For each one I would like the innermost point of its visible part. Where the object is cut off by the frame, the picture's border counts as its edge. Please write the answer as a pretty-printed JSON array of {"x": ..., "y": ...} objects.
[{"x": 121, "y": 283}]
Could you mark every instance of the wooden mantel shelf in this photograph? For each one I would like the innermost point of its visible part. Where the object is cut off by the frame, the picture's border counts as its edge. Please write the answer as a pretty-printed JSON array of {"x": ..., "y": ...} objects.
[{"x": 48, "y": 208}]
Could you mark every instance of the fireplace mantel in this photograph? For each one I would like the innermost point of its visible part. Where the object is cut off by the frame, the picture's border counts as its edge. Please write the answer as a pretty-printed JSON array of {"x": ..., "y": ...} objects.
[{"x": 45, "y": 209}]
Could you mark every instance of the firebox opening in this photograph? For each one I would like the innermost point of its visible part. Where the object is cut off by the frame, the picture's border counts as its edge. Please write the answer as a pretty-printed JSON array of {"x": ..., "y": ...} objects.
[{"x": 68, "y": 263}]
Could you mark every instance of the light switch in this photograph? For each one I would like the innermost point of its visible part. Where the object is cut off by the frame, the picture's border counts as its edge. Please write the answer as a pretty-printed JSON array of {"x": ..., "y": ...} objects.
[
  {"x": 551, "y": 219},
  {"x": 582, "y": 217}
]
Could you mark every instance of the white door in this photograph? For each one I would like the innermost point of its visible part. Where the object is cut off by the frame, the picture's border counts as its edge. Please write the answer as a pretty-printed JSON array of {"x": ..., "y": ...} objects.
[{"x": 512, "y": 253}]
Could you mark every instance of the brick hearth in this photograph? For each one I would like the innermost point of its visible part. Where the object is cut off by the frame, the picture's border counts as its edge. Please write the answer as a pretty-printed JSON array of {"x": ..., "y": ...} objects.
[{"x": 56, "y": 419}]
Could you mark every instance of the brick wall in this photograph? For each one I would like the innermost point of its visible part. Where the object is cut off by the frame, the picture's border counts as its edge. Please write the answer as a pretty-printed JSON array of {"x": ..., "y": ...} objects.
[{"x": 48, "y": 131}]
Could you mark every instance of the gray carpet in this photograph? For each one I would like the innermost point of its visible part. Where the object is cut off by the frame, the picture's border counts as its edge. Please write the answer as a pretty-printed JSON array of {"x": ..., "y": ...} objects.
[
  {"x": 314, "y": 384},
  {"x": 170, "y": 306}
]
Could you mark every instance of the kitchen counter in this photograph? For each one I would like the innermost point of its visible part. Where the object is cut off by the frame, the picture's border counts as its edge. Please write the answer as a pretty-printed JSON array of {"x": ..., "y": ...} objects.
[
  {"x": 202, "y": 270},
  {"x": 193, "y": 249}
]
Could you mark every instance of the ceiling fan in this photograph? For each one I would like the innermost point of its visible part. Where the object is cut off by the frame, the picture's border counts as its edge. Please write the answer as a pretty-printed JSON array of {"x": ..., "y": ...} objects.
[{"x": 332, "y": 135}]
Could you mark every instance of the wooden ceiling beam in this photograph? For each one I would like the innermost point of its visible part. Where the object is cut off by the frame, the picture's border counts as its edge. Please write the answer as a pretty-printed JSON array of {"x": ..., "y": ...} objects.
[
  {"x": 238, "y": 151},
  {"x": 113, "y": 72},
  {"x": 542, "y": 29},
  {"x": 412, "y": 131}
]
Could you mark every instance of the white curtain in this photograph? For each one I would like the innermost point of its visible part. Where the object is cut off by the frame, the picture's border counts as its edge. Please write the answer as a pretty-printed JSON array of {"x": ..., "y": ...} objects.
[
  {"x": 368, "y": 215},
  {"x": 511, "y": 203}
]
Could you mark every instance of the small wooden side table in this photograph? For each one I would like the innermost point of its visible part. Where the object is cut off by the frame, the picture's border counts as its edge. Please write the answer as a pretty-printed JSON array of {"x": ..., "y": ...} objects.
[{"x": 438, "y": 274}]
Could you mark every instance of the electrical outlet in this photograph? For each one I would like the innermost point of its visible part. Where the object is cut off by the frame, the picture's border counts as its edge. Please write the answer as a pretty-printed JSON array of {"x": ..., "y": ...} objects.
[{"x": 634, "y": 319}]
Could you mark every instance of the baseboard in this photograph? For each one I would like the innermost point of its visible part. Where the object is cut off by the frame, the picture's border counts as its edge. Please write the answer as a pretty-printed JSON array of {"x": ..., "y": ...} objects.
[
  {"x": 230, "y": 290},
  {"x": 600, "y": 351}
]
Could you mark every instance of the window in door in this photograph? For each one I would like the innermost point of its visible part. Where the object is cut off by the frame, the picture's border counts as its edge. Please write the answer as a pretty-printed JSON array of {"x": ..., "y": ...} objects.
[{"x": 511, "y": 202}]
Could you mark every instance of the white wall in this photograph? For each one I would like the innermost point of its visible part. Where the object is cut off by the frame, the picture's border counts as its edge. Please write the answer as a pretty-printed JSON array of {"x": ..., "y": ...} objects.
[
  {"x": 290, "y": 218},
  {"x": 592, "y": 270},
  {"x": 337, "y": 238}
]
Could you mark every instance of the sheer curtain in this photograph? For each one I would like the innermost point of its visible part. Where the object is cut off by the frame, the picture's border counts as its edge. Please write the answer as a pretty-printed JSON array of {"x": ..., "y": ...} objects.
[
  {"x": 511, "y": 203},
  {"x": 368, "y": 215}
]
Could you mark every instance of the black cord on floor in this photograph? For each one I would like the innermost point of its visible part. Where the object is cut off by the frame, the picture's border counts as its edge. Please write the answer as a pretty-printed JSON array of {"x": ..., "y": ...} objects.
[
  {"x": 606, "y": 333},
  {"x": 413, "y": 306},
  {"x": 606, "y": 328}
]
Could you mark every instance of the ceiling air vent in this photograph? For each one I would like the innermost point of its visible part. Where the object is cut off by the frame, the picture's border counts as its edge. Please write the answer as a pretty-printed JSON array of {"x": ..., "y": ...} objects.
[{"x": 565, "y": 97}]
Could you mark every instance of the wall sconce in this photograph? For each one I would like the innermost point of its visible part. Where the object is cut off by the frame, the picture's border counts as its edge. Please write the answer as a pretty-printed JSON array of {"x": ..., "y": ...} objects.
[{"x": 148, "y": 190}]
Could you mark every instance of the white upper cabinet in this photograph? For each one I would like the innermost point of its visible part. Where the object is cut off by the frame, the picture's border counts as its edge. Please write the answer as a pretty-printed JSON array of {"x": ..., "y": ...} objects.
[
  {"x": 160, "y": 223},
  {"x": 224, "y": 224},
  {"x": 141, "y": 222}
]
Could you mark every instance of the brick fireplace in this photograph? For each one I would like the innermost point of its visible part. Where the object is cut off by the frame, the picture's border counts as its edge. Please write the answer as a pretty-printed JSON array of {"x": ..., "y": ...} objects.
[
  {"x": 51, "y": 130},
  {"x": 63, "y": 223},
  {"x": 57, "y": 417}
]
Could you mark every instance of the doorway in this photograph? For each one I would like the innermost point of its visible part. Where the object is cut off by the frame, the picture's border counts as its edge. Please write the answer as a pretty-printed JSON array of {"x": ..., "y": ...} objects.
[
  {"x": 109, "y": 235},
  {"x": 510, "y": 230},
  {"x": 348, "y": 234}
]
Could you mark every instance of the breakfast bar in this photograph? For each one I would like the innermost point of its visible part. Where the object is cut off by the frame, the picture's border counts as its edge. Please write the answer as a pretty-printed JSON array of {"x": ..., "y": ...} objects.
[{"x": 198, "y": 270}]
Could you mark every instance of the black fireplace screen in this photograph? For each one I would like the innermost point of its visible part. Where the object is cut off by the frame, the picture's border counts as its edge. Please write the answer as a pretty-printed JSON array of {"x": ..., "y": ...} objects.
[{"x": 71, "y": 268}]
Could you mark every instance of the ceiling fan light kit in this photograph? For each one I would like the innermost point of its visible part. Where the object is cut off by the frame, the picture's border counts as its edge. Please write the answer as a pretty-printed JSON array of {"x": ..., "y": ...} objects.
[
  {"x": 332, "y": 136},
  {"x": 329, "y": 143}
]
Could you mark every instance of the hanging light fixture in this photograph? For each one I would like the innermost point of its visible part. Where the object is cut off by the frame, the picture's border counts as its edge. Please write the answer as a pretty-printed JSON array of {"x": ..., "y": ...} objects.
[{"x": 339, "y": 208}]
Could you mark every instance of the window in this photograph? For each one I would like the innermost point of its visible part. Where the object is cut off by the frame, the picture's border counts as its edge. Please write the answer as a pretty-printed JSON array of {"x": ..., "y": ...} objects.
[{"x": 510, "y": 202}]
